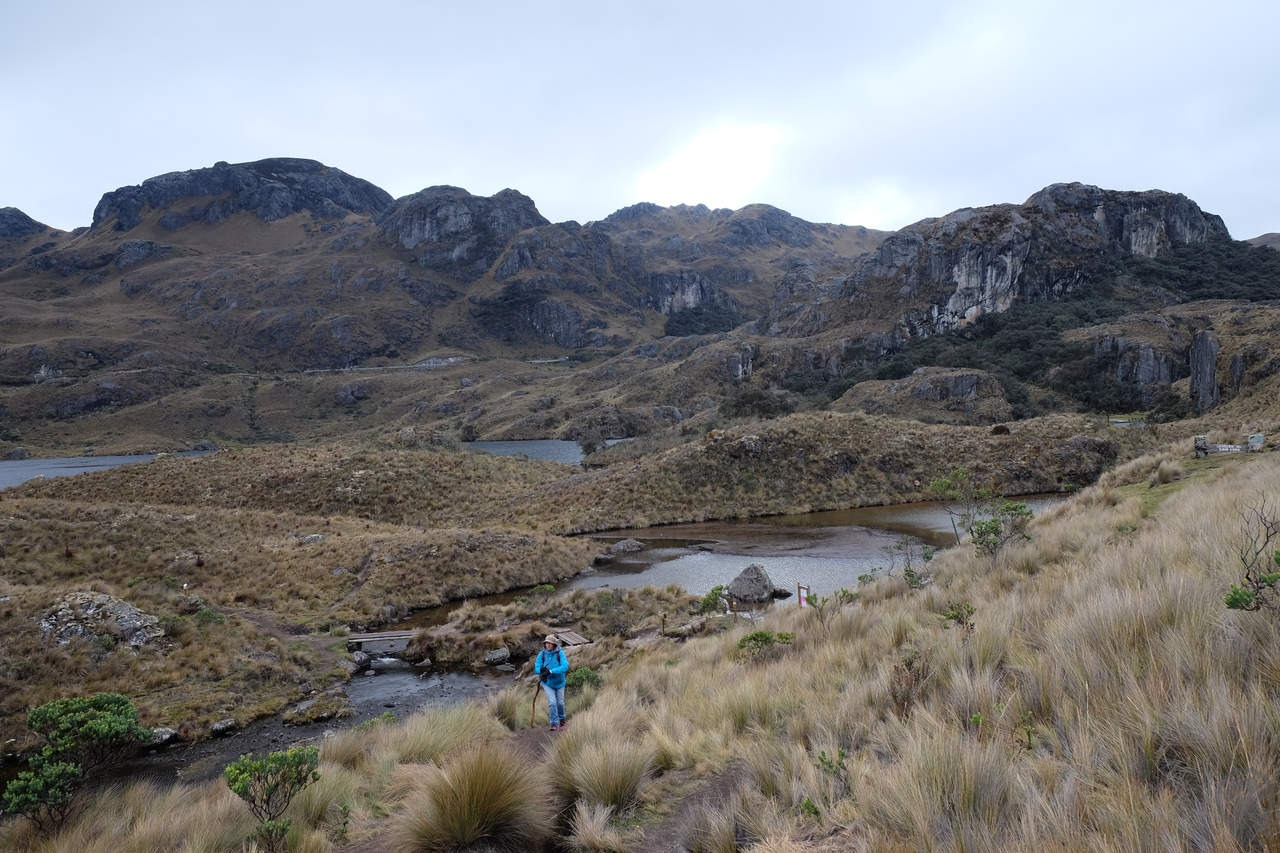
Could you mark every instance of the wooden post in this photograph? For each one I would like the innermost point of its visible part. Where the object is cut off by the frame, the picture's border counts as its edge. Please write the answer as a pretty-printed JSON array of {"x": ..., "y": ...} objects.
[{"x": 802, "y": 594}]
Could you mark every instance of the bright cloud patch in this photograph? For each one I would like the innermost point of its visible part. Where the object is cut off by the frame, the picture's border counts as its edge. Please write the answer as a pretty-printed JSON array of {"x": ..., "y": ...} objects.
[{"x": 722, "y": 166}]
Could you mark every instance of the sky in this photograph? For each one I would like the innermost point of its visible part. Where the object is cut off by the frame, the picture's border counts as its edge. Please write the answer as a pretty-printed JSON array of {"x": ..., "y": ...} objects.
[{"x": 860, "y": 114}]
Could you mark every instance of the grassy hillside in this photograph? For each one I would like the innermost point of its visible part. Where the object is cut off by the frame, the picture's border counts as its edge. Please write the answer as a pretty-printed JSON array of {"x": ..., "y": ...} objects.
[{"x": 1086, "y": 689}]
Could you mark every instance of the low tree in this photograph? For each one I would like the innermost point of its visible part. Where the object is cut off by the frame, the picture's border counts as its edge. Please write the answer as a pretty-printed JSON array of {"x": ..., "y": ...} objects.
[
  {"x": 269, "y": 784},
  {"x": 93, "y": 732},
  {"x": 991, "y": 522},
  {"x": 44, "y": 794}
]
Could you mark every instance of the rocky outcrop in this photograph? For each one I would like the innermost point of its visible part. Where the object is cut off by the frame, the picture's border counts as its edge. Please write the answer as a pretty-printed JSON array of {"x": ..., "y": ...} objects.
[
  {"x": 94, "y": 615},
  {"x": 980, "y": 261},
  {"x": 936, "y": 394},
  {"x": 270, "y": 189},
  {"x": 449, "y": 230},
  {"x": 14, "y": 224},
  {"x": 1204, "y": 371}
]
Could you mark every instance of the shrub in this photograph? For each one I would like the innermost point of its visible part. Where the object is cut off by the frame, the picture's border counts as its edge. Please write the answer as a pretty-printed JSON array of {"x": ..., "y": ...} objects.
[
  {"x": 583, "y": 677},
  {"x": 487, "y": 797},
  {"x": 268, "y": 784},
  {"x": 92, "y": 732},
  {"x": 43, "y": 794},
  {"x": 763, "y": 644},
  {"x": 713, "y": 601}
]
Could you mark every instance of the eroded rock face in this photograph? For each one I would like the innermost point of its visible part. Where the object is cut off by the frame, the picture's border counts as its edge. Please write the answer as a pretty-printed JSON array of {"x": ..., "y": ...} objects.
[
  {"x": 95, "y": 614},
  {"x": 15, "y": 223},
  {"x": 270, "y": 189},
  {"x": 452, "y": 231},
  {"x": 979, "y": 261},
  {"x": 1204, "y": 371}
]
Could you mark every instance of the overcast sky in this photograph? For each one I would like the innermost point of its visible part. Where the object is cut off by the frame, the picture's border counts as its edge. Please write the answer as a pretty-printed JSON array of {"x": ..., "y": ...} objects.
[{"x": 863, "y": 116}]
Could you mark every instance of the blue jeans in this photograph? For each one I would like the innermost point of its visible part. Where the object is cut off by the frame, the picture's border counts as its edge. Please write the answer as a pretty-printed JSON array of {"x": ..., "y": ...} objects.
[{"x": 555, "y": 703}]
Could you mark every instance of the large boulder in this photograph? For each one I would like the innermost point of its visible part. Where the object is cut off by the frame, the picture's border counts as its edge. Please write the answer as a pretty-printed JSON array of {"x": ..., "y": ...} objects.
[
  {"x": 91, "y": 615},
  {"x": 753, "y": 585}
]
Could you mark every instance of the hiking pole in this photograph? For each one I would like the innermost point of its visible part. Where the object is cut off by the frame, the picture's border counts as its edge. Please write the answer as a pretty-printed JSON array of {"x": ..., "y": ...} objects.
[{"x": 537, "y": 688}]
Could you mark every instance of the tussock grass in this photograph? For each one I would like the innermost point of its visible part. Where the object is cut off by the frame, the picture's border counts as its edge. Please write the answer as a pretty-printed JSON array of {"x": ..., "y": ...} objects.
[
  {"x": 431, "y": 735},
  {"x": 486, "y": 797},
  {"x": 591, "y": 832}
]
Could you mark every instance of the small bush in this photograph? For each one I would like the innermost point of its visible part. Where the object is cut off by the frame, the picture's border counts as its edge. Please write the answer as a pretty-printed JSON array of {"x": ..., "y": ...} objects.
[
  {"x": 763, "y": 645},
  {"x": 583, "y": 677},
  {"x": 269, "y": 784},
  {"x": 713, "y": 601}
]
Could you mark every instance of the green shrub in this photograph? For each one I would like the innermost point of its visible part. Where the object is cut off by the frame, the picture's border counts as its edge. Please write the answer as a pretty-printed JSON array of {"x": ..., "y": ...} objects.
[
  {"x": 713, "y": 601},
  {"x": 43, "y": 794},
  {"x": 583, "y": 677},
  {"x": 269, "y": 784},
  {"x": 93, "y": 731},
  {"x": 762, "y": 645}
]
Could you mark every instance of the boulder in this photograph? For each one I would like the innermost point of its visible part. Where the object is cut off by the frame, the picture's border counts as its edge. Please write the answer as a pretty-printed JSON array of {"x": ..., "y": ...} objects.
[
  {"x": 96, "y": 614},
  {"x": 163, "y": 736},
  {"x": 498, "y": 656},
  {"x": 17, "y": 454},
  {"x": 223, "y": 728},
  {"x": 626, "y": 546},
  {"x": 753, "y": 584}
]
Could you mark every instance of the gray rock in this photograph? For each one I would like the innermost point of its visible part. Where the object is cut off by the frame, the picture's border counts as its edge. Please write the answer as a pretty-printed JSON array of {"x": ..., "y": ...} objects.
[
  {"x": 753, "y": 585},
  {"x": 95, "y": 614},
  {"x": 223, "y": 728},
  {"x": 626, "y": 546},
  {"x": 361, "y": 661},
  {"x": 498, "y": 656},
  {"x": 163, "y": 736},
  {"x": 17, "y": 454}
]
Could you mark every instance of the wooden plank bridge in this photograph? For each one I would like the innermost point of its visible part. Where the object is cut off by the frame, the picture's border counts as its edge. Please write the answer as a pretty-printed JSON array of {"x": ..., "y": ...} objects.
[{"x": 380, "y": 643}]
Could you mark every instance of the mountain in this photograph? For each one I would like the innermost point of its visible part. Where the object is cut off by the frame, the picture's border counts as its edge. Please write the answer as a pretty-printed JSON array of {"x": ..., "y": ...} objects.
[{"x": 284, "y": 298}]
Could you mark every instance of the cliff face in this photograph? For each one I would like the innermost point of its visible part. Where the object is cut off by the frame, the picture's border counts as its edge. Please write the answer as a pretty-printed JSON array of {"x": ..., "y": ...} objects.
[{"x": 952, "y": 270}]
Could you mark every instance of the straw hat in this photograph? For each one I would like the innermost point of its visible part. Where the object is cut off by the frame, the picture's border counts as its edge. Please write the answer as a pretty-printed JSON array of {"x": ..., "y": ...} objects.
[{"x": 551, "y": 638}]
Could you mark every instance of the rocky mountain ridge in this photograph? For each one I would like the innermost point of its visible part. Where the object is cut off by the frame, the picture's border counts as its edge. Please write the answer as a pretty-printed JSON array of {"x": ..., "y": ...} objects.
[{"x": 290, "y": 265}]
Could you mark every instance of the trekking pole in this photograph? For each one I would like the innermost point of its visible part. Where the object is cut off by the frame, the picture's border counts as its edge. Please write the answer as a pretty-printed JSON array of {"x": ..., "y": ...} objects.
[{"x": 537, "y": 688}]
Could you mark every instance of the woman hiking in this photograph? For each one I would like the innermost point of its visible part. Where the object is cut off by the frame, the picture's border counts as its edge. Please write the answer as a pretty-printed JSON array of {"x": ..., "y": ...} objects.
[{"x": 551, "y": 666}]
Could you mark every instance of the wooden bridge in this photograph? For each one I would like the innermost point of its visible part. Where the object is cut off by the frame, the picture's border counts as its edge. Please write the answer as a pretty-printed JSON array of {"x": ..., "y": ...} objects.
[{"x": 380, "y": 643}]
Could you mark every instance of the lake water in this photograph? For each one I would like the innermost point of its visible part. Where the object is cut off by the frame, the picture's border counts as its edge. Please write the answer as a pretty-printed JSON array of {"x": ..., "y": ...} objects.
[
  {"x": 546, "y": 449},
  {"x": 17, "y": 471}
]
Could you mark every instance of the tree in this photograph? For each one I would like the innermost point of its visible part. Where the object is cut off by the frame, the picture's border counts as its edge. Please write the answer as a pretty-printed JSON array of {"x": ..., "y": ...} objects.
[{"x": 269, "y": 784}]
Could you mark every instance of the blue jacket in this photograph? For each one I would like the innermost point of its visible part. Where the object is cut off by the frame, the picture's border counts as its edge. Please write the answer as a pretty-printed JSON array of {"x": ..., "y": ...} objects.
[{"x": 557, "y": 663}]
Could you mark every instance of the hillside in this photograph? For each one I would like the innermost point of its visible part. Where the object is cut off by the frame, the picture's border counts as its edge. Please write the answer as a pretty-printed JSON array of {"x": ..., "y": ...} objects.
[
  {"x": 1084, "y": 689},
  {"x": 284, "y": 299}
]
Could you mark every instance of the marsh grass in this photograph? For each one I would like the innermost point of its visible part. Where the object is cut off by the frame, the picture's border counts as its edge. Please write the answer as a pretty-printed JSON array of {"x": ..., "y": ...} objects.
[{"x": 590, "y": 830}]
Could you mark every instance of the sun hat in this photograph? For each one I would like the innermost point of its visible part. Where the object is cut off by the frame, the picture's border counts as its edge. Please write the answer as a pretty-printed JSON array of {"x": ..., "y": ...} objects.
[{"x": 551, "y": 638}]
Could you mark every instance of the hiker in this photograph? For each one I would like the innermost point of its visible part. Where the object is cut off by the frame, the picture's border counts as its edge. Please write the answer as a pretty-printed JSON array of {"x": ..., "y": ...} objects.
[{"x": 551, "y": 666}]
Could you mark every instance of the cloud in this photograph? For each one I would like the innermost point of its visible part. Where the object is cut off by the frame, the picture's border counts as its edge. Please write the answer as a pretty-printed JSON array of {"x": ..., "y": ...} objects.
[{"x": 723, "y": 165}]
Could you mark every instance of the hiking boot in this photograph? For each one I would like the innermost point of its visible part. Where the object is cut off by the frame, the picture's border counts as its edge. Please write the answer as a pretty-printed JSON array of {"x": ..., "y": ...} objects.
[
  {"x": 554, "y": 727},
  {"x": 564, "y": 724}
]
